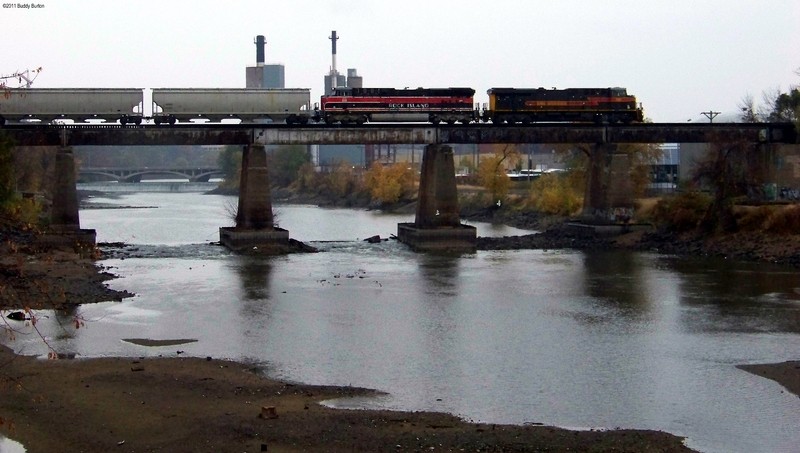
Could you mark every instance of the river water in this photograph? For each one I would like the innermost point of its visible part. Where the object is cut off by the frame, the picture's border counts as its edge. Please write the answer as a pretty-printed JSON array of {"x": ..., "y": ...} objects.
[{"x": 565, "y": 338}]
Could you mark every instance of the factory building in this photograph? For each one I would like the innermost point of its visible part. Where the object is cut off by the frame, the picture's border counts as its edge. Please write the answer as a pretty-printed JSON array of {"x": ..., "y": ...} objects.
[
  {"x": 353, "y": 79},
  {"x": 264, "y": 75},
  {"x": 334, "y": 80}
]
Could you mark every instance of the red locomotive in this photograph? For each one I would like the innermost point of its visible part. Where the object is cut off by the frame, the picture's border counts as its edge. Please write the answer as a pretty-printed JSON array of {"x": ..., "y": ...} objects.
[{"x": 434, "y": 105}]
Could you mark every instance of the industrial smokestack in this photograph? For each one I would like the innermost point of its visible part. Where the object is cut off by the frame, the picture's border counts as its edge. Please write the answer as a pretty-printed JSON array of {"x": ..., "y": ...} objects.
[
  {"x": 333, "y": 39},
  {"x": 260, "y": 44},
  {"x": 334, "y": 73}
]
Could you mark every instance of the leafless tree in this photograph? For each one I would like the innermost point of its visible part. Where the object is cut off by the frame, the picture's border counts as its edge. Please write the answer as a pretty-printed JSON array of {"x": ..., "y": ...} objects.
[
  {"x": 747, "y": 105},
  {"x": 731, "y": 170}
]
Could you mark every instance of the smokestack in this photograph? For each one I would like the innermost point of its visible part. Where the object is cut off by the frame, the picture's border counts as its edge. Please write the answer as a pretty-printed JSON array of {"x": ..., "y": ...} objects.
[
  {"x": 260, "y": 43},
  {"x": 333, "y": 39},
  {"x": 334, "y": 73}
]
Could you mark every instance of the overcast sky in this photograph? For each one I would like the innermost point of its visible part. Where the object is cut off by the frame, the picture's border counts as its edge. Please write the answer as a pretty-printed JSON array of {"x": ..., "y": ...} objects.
[{"x": 679, "y": 57}]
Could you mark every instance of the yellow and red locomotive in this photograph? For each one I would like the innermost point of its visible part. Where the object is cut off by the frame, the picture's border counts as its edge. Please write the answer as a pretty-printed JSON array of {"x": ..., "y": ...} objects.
[{"x": 526, "y": 105}]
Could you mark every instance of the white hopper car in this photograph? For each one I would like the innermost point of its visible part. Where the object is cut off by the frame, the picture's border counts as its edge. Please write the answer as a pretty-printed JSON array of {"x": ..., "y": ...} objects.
[
  {"x": 78, "y": 104},
  {"x": 215, "y": 104},
  {"x": 169, "y": 105}
]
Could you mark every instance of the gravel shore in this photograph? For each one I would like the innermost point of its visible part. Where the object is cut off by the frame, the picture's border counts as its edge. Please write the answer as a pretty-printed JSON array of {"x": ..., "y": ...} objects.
[{"x": 195, "y": 404}]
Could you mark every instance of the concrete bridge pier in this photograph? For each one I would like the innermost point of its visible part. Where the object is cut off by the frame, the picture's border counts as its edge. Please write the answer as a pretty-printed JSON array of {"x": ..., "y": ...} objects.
[
  {"x": 769, "y": 163},
  {"x": 437, "y": 226},
  {"x": 65, "y": 226},
  {"x": 255, "y": 229},
  {"x": 608, "y": 203}
]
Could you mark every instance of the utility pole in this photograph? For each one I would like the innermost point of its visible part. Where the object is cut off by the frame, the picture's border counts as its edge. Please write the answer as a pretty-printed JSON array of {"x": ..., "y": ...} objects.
[{"x": 710, "y": 115}]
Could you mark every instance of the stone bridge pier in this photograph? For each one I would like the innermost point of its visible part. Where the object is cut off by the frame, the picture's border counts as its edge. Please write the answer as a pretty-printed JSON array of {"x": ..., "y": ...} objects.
[
  {"x": 608, "y": 202},
  {"x": 437, "y": 226},
  {"x": 255, "y": 224},
  {"x": 65, "y": 226}
]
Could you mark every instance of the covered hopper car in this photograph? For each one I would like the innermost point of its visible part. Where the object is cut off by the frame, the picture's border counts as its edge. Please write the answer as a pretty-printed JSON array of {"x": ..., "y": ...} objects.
[
  {"x": 529, "y": 105},
  {"x": 361, "y": 105},
  {"x": 291, "y": 105},
  {"x": 169, "y": 105},
  {"x": 77, "y": 104}
]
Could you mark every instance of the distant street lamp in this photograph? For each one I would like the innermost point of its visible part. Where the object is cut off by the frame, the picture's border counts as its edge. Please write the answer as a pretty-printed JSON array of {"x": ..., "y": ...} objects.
[{"x": 710, "y": 115}]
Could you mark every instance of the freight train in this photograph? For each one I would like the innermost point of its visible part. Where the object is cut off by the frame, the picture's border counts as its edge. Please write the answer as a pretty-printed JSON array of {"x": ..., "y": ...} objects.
[{"x": 341, "y": 106}]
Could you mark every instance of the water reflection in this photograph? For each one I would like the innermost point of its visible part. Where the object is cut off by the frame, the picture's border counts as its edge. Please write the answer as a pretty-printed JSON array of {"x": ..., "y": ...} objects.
[
  {"x": 605, "y": 288},
  {"x": 254, "y": 274},
  {"x": 616, "y": 280},
  {"x": 439, "y": 274},
  {"x": 737, "y": 297},
  {"x": 67, "y": 323}
]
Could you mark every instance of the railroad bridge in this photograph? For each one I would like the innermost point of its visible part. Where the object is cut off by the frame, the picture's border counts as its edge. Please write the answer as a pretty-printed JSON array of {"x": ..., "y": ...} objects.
[
  {"x": 437, "y": 225},
  {"x": 246, "y": 134}
]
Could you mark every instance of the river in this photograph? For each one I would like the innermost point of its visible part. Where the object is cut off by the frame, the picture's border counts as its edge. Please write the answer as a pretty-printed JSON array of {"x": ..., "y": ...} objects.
[{"x": 559, "y": 337}]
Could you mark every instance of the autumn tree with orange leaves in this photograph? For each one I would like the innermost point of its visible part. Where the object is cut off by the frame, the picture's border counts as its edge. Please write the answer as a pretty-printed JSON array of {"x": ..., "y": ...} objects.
[{"x": 389, "y": 184}]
